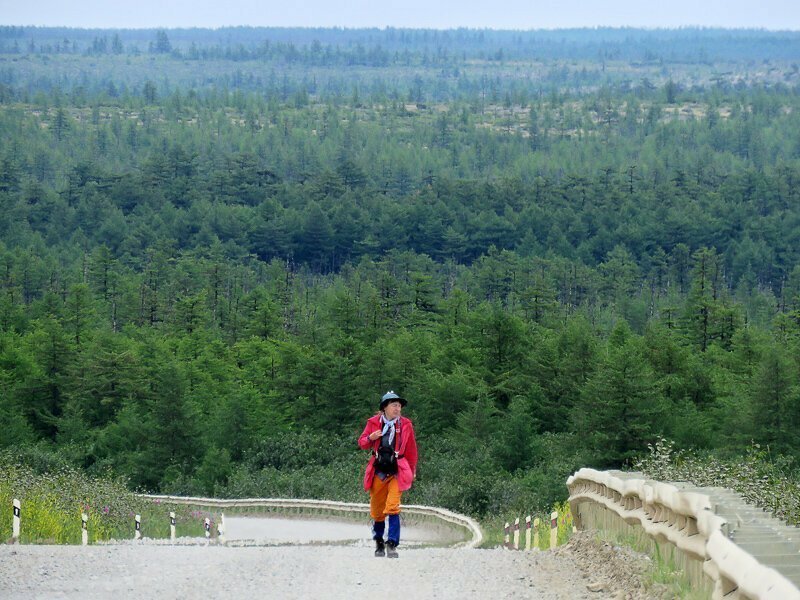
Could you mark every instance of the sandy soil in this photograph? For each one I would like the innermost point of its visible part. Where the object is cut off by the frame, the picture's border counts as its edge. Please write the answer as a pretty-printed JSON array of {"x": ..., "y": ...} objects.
[{"x": 612, "y": 569}]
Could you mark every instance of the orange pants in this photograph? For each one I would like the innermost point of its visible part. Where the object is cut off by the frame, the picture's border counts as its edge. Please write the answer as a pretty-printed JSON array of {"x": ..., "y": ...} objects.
[{"x": 384, "y": 498}]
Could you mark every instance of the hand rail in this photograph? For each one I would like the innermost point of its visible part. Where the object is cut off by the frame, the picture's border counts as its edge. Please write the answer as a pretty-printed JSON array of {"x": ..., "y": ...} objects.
[
  {"x": 464, "y": 521},
  {"x": 685, "y": 520}
]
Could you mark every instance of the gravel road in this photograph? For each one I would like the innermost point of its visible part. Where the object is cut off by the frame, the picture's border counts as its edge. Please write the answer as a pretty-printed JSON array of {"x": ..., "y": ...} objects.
[
  {"x": 336, "y": 570},
  {"x": 142, "y": 570}
]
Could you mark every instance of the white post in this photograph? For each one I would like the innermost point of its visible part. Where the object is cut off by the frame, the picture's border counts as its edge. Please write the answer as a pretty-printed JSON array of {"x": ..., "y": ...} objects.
[
  {"x": 84, "y": 529},
  {"x": 528, "y": 533},
  {"x": 506, "y": 541},
  {"x": 15, "y": 534},
  {"x": 137, "y": 534},
  {"x": 553, "y": 529},
  {"x": 208, "y": 529},
  {"x": 172, "y": 526},
  {"x": 221, "y": 529},
  {"x": 516, "y": 533}
]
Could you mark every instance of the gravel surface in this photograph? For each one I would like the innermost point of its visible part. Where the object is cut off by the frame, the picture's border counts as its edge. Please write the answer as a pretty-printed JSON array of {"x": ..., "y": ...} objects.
[
  {"x": 319, "y": 559},
  {"x": 146, "y": 570}
]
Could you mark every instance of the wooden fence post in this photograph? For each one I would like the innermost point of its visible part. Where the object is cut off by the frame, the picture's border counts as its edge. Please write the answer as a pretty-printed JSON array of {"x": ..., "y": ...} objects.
[
  {"x": 84, "y": 529},
  {"x": 15, "y": 526},
  {"x": 527, "y": 533},
  {"x": 553, "y": 529}
]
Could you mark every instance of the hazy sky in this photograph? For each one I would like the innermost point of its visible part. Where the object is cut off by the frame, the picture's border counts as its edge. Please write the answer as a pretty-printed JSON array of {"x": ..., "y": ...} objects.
[{"x": 442, "y": 14}]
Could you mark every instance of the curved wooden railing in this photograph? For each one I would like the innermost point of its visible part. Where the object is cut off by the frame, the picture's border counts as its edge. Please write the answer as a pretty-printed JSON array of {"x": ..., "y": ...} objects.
[
  {"x": 472, "y": 530},
  {"x": 683, "y": 519}
]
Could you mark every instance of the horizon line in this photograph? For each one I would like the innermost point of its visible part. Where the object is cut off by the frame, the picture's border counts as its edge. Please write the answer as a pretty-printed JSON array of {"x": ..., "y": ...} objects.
[{"x": 652, "y": 28}]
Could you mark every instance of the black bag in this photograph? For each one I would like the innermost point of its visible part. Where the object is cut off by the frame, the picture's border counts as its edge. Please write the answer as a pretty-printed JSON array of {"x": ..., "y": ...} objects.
[{"x": 386, "y": 459}]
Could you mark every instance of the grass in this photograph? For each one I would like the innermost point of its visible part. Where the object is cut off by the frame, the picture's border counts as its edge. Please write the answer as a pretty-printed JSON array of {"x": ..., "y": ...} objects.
[
  {"x": 52, "y": 504},
  {"x": 494, "y": 534}
]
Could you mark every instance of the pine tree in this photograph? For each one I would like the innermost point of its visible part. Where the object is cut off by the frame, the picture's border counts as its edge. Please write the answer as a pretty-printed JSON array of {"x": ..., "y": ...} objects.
[{"x": 621, "y": 407}]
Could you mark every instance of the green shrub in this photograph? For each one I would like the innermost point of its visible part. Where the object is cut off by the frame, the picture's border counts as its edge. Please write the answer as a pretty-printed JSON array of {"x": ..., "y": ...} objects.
[
  {"x": 493, "y": 528},
  {"x": 766, "y": 481},
  {"x": 52, "y": 503}
]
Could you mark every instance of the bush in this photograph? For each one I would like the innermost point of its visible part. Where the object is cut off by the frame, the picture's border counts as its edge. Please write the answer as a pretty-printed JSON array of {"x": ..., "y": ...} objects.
[
  {"x": 52, "y": 502},
  {"x": 766, "y": 481}
]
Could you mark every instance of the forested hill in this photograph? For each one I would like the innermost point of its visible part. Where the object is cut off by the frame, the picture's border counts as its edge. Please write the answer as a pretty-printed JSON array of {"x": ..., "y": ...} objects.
[{"x": 218, "y": 248}]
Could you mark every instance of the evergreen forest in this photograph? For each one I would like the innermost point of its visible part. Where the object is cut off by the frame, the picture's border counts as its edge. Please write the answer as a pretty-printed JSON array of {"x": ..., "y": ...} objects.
[{"x": 219, "y": 248}]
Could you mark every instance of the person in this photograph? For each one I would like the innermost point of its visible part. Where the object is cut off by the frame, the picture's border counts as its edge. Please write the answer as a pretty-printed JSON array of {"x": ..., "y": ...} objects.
[{"x": 391, "y": 469}]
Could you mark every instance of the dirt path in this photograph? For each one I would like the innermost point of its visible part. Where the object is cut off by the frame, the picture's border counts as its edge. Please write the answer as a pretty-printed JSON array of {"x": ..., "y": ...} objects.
[
  {"x": 331, "y": 572},
  {"x": 150, "y": 569}
]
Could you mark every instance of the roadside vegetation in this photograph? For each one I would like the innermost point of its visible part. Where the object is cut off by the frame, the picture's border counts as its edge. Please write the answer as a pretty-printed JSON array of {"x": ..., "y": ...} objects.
[
  {"x": 53, "y": 501},
  {"x": 765, "y": 480},
  {"x": 494, "y": 527}
]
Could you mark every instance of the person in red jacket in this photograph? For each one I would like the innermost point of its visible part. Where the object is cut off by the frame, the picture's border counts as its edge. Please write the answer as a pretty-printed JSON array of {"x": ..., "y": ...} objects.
[{"x": 391, "y": 469}]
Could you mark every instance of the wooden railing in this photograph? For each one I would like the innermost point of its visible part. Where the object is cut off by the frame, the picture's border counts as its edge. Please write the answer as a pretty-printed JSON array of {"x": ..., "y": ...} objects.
[
  {"x": 471, "y": 529},
  {"x": 682, "y": 519}
]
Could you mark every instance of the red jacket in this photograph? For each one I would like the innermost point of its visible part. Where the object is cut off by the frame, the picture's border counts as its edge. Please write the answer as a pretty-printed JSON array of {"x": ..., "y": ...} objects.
[{"x": 405, "y": 446}]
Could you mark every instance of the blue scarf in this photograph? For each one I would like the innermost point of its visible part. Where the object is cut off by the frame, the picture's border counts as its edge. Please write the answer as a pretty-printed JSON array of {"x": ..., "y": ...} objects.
[{"x": 389, "y": 426}]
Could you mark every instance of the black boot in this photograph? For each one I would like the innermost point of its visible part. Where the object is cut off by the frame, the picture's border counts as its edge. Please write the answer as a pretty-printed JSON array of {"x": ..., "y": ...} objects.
[
  {"x": 379, "y": 549},
  {"x": 391, "y": 549}
]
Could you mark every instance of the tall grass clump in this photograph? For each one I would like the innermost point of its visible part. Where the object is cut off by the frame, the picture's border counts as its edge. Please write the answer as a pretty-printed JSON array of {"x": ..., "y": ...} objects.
[
  {"x": 494, "y": 534},
  {"x": 52, "y": 503}
]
